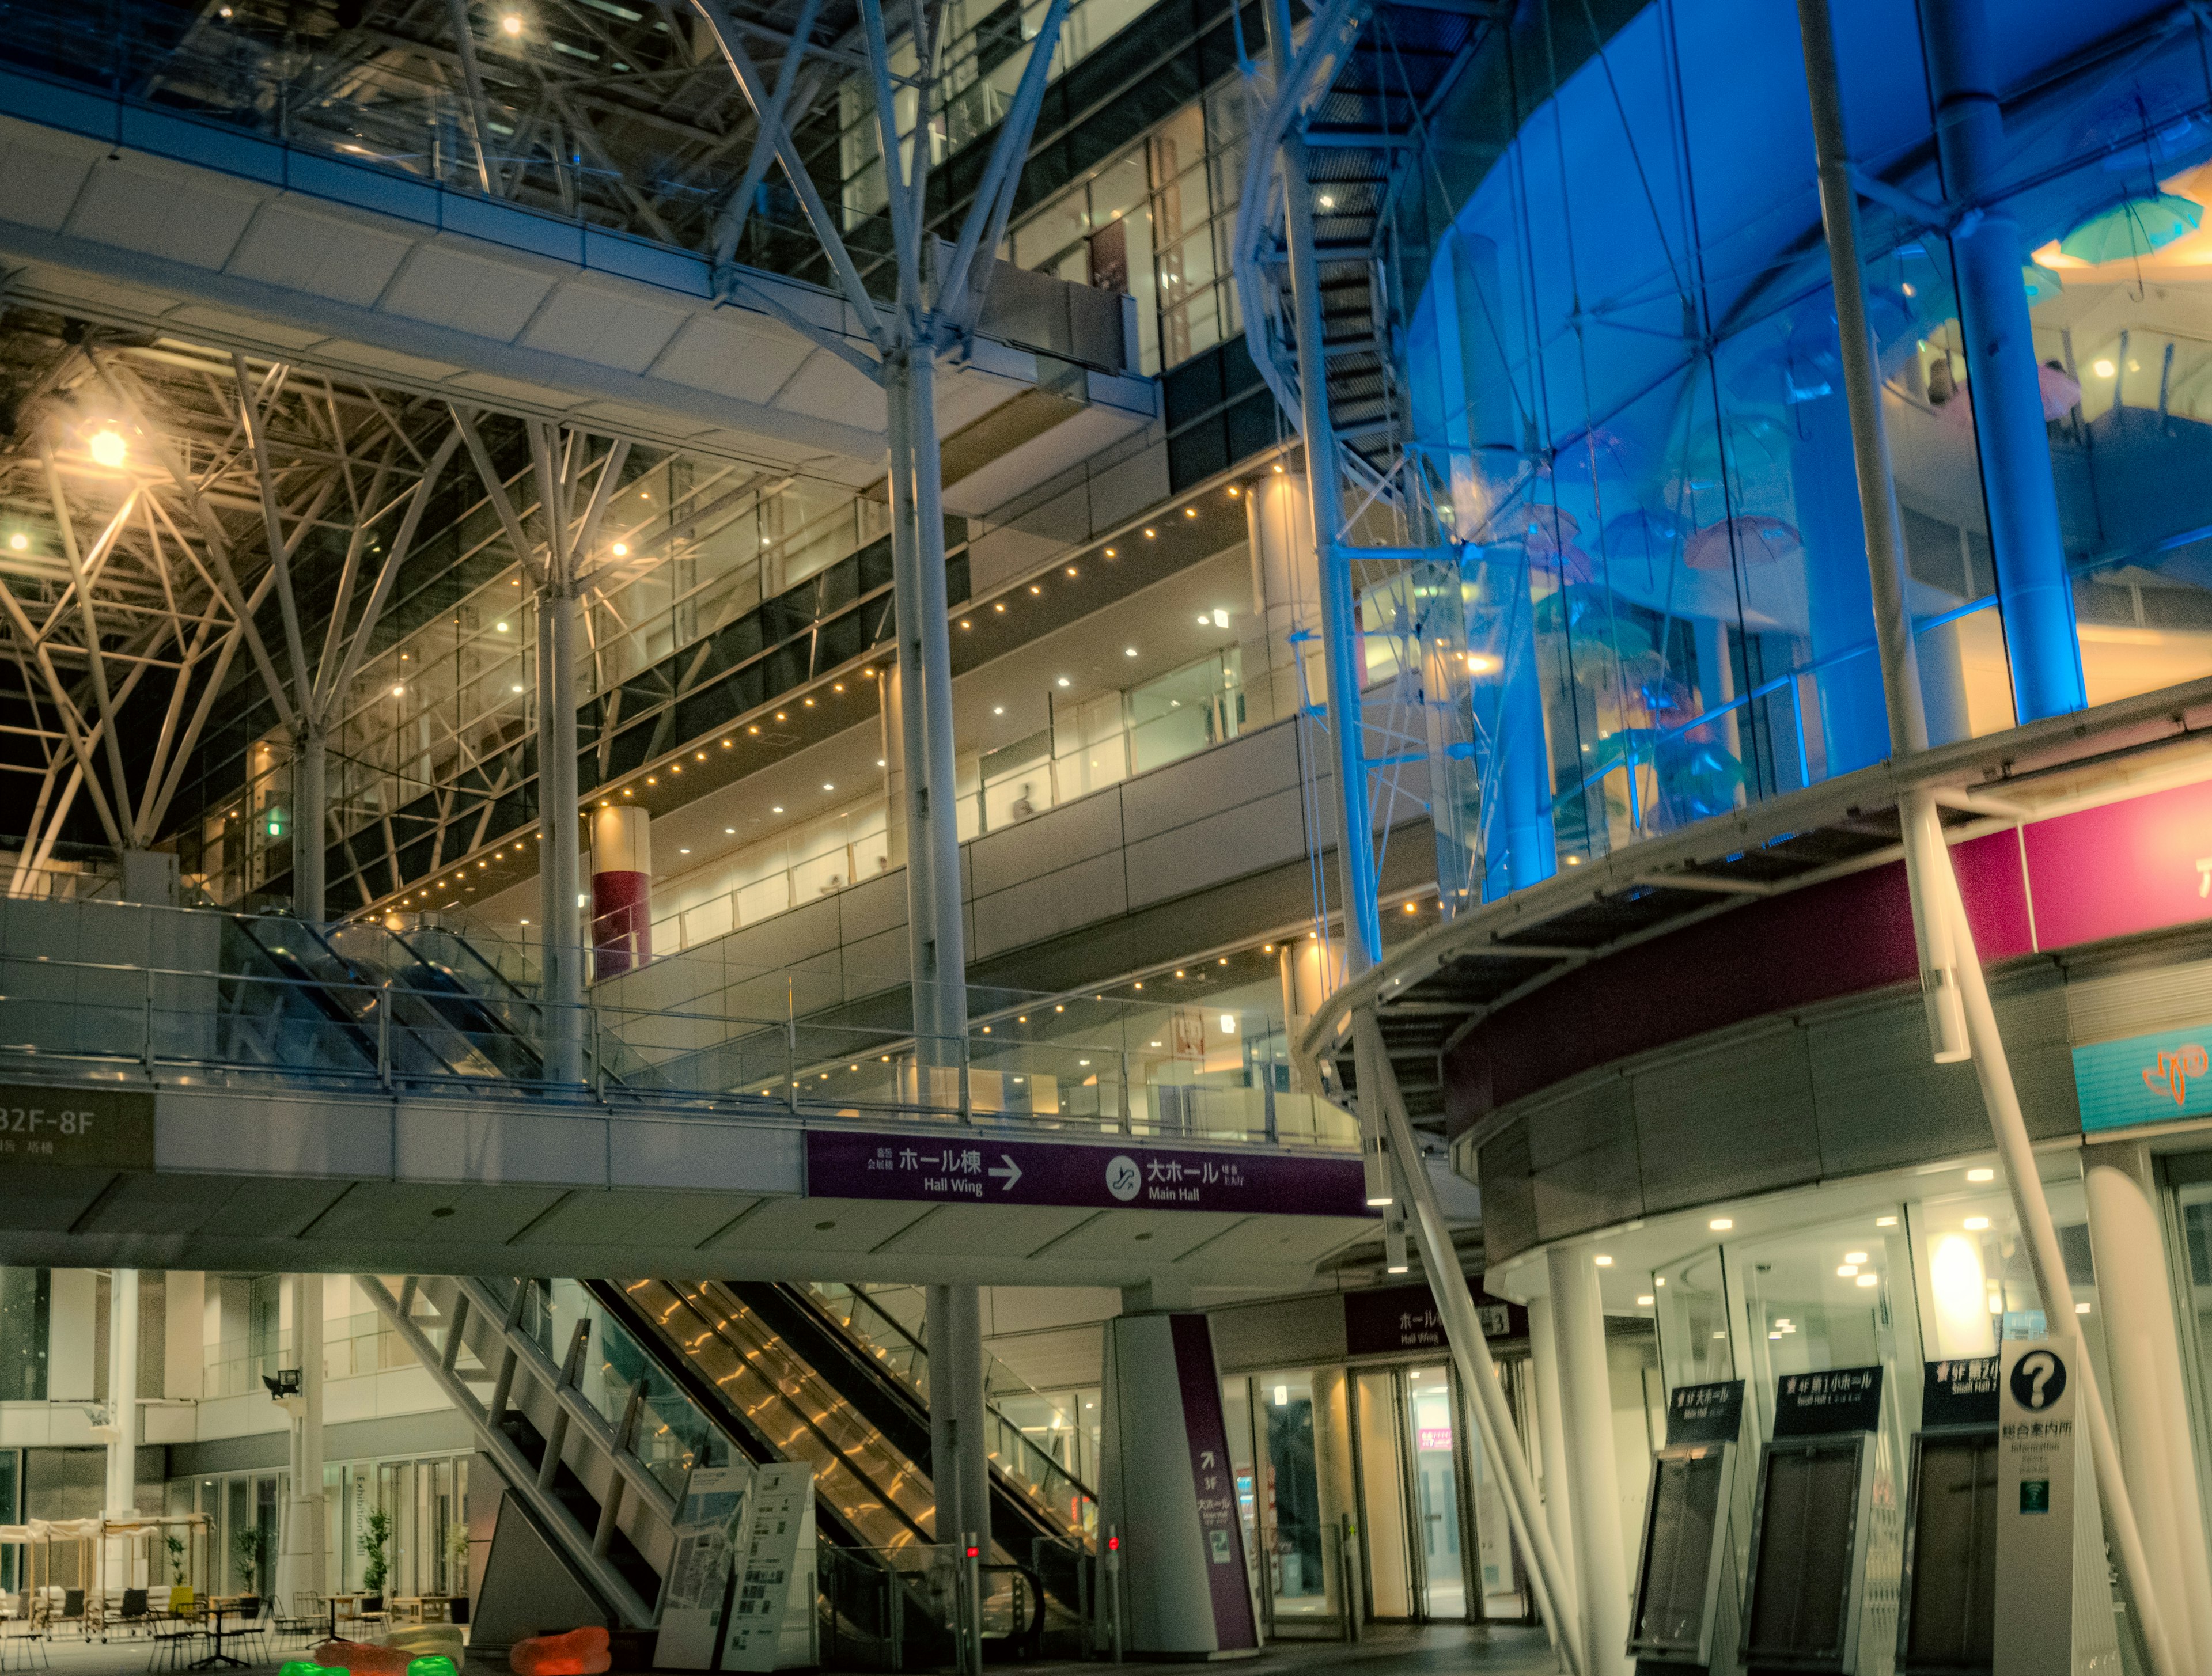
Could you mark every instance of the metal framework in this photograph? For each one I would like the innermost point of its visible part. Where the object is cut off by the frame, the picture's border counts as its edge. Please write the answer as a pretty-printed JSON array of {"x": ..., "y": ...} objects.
[{"x": 154, "y": 495}]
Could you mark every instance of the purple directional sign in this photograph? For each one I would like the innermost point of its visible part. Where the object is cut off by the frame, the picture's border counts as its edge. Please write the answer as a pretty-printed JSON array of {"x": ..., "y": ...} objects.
[{"x": 984, "y": 1169}]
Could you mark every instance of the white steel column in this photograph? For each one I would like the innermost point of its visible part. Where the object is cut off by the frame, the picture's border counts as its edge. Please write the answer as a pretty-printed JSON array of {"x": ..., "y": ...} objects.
[
  {"x": 300, "y": 1558},
  {"x": 1961, "y": 1022},
  {"x": 959, "y": 1439},
  {"x": 1593, "y": 1474},
  {"x": 2149, "y": 1394},
  {"x": 1471, "y": 1359},
  {"x": 310, "y": 806},
  {"x": 939, "y": 828},
  {"x": 1552, "y": 1431},
  {"x": 560, "y": 863},
  {"x": 122, "y": 1497},
  {"x": 1339, "y": 610}
]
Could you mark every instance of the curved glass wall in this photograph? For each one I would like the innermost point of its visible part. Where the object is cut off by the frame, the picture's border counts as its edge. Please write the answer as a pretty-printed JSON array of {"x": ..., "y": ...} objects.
[{"x": 1628, "y": 401}]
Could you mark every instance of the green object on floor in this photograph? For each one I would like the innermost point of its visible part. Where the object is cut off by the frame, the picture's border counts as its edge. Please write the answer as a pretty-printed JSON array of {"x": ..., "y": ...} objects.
[
  {"x": 305, "y": 1668},
  {"x": 436, "y": 1665}
]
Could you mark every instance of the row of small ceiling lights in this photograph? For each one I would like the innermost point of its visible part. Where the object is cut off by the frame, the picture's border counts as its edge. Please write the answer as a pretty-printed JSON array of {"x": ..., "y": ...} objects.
[{"x": 675, "y": 766}]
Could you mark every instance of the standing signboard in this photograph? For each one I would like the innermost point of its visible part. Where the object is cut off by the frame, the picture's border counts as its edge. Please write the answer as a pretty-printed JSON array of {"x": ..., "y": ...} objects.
[
  {"x": 2053, "y": 1602},
  {"x": 716, "y": 1509},
  {"x": 776, "y": 1573}
]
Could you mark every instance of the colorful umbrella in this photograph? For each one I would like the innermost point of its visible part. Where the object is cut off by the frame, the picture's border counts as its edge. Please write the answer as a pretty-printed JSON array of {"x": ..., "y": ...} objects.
[
  {"x": 1759, "y": 539},
  {"x": 2133, "y": 227},
  {"x": 2041, "y": 282}
]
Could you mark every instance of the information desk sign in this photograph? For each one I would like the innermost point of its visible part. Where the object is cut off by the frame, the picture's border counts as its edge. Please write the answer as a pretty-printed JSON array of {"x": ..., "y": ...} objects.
[{"x": 2049, "y": 1529}]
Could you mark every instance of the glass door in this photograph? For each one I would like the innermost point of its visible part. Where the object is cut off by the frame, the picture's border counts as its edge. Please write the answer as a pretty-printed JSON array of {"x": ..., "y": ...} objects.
[
  {"x": 1440, "y": 1573},
  {"x": 1499, "y": 1570},
  {"x": 1385, "y": 1555}
]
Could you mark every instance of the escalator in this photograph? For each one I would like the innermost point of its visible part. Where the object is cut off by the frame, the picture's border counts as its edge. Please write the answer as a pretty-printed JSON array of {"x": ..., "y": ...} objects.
[
  {"x": 854, "y": 1403},
  {"x": 356, "y": 999}
]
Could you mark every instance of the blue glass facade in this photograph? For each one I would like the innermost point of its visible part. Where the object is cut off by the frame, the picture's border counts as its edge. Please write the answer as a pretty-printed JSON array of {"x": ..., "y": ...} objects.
[{"x": 1628, "y": 398}]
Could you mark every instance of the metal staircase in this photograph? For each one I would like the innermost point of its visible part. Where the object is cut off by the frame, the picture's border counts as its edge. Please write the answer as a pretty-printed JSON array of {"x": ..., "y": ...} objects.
[{"x": 601, "y": 1472}]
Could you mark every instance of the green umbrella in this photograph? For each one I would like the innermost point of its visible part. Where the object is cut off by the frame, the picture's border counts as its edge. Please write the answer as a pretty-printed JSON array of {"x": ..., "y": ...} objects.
[
  {"x": 2133, "y": 227},
  {"x": 2041, "y": 282}
]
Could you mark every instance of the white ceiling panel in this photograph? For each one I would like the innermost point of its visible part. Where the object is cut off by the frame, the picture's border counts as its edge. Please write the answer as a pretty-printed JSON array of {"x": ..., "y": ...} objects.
[
  {"x": 734, "y": 352},
  {"x": 962, "y": 1230},
  {"x": 328, "y": 256},
  {"x": 222, "y": 323},
  {"x": 661, "y": 1220},
  {"x": 1299, "y": 1240},
  {"x": 827, "y": 387},
  {"x": 600, "y": 324},
  {"x": 448, "y": 284},
  {"x": 41, "y": 173},
  {"x": 432, "y": 1214},
  {"x": 1143, "y": 1239},
  {"x": 184, "y": 214},
  {"x": 818, "y": 1225}
]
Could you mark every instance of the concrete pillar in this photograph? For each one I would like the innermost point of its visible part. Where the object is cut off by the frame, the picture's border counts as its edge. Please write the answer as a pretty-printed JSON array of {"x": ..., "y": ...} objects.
[
  {"x": 1593, "y": 1479},
  {"x": 622, "y": 890},
  {"x": 892, "y": 748},
  {"x": 2033, "y": 589},
  {"x": 71, "y": 1336},
  {"x": 122, "y": 1495},
  {"x": 559, "y": 864},
  {"x": 184, "y": 1354},
  {"x": 1552, "y": 1433},
  {"x": 1332, "y": 1431},
  {"x": 2149, "y": 1398},
  {"x": 1839, "y": 594},
  {"x": 300, "y": 1558},
  {"x": 310, "y": 806},
  {"x": 959, "y": 1438}
]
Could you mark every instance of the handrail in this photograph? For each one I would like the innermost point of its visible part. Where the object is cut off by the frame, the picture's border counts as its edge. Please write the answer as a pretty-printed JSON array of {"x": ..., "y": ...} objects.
[{"x": 2137, "y": 721}]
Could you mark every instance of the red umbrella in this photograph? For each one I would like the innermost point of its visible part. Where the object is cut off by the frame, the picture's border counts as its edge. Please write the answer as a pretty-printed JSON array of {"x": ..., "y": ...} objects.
[{"x": 1759, "y": 539}]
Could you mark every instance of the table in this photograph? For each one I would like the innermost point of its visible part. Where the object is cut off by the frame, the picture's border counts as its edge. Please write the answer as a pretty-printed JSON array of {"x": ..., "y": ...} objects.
[
  {"x": 219, "y": 1658},
  {"x": 352, "y": 1602},
  {"x": 424, "y": 1608}
]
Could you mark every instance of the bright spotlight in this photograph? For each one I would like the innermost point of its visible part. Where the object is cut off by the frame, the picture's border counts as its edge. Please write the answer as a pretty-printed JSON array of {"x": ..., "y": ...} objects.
[{"x": 108, "y": 448}]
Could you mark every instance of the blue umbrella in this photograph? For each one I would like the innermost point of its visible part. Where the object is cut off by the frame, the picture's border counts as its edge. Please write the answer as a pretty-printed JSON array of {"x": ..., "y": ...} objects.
[{"x": 2133, "y": 227}]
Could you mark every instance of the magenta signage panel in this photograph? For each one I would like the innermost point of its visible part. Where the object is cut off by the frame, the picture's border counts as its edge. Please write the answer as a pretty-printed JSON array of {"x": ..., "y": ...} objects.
[
  {"x": 2126, "y": 868},
  {"x": 983, "y": 1168}
]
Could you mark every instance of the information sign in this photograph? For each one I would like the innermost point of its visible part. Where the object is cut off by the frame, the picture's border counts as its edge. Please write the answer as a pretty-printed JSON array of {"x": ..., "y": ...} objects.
[{"x": 96, "y": 1127}]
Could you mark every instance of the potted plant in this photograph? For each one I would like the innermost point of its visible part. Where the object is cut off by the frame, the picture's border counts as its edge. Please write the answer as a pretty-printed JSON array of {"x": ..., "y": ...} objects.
[
  {"x": 175, "y": 1544},
  {"x": 375, "y": 1540},
  {"x": 457, "y": 1569},
  {"x": 251, "y": 1547}
]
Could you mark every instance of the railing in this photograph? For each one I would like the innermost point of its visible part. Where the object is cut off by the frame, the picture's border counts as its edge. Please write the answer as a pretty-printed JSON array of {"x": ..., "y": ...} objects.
[
  {"x": 1115, "y": 1069},
  {"x": 904, "y": 1356},
  {"x": 352, "y": 1345},
  {"x": 1085, "y": 748}
]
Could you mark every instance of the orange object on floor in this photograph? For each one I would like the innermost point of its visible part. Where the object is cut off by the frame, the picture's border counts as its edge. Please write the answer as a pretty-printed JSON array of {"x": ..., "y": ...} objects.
[
  {"x": 579, "y": 1653},
  {"x": 363, "y": 1660}
]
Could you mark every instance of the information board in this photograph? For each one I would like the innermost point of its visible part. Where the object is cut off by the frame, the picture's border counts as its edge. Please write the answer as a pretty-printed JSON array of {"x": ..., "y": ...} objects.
[
  {"x": 101, "y": 1128},
  {"x": 778, "y": 1556},
  {"x": 1948, "y": 1624},
  {"x": 716, "y": 1505}
]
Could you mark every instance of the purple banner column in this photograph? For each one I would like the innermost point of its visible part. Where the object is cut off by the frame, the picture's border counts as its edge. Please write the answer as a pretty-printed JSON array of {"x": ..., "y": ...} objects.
[{"x": 1227, "y": 1584}]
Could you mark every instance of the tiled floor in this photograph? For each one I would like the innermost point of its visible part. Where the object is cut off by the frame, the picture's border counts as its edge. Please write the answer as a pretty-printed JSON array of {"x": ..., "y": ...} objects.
[{"x": 1386, "y": 1650}]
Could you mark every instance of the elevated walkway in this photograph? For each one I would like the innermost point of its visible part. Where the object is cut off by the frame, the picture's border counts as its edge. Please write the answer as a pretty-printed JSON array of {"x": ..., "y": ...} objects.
[{"x": 155, "y": 217}]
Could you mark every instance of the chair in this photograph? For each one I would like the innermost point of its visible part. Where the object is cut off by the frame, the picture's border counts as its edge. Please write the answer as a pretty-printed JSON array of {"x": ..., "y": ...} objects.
[
  {"x": 72, "y": 1610},
  {"x": 251, "y": 1626},
  {"x": 132, "y": 1614},
  {"x": 175, "y": 1638},
  {"x": 306, "y": 1621}
]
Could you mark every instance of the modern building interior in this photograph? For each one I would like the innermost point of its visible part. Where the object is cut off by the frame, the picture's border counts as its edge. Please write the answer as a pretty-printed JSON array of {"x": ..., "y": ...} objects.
[{"x": 1374, "y": 833}]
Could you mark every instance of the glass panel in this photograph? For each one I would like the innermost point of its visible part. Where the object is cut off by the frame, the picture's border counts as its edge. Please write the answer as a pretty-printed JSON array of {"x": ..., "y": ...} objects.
[
  {"x": 1383, "y": 1501},
  {"x": 1504, "y": 1581},
  {"x": 1289, "y": 1497},
  {"x": 1429, "y": 1416}
]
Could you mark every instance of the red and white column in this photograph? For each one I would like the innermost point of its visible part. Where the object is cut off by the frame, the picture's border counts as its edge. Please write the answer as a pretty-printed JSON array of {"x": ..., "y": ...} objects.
[{"x": 621, "y": 891}]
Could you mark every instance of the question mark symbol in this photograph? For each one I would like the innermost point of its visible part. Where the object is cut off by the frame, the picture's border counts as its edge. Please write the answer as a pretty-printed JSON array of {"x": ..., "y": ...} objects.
[{"x": 2041, "y": 1366}]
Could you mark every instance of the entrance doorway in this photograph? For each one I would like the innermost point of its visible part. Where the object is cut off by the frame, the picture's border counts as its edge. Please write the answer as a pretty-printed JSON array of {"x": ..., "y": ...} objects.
[{"x": 1415, "y": 1490}]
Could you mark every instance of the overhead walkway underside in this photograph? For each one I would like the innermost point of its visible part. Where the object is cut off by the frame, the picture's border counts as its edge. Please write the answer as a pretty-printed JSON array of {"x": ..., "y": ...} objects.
[
  {"x": 1430, "y": 992},
  {"x": 147, "y": 220}
]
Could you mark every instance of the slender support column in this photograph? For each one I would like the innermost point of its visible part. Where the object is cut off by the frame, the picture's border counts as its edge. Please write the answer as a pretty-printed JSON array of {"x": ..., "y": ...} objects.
[
  {"x": 2149, "y": 1393},
  {"x": 959, "y": 1441},
  {"x": 299, "y": 1555},
  {"x": 123, "y": 1391},
  {"x": 947, "y": 969},
  {"x": 1961, "y": 1022},
  {"x": 1339, "y": 610},
  {"x": 559, "y": 866},
  {"x": 2032, "y": 586},
  {"x": 902, "y": 694},
  {"x": 1478, "y": 1373},
  {"x": 310, "y": 803},
  {"x": 1878, "y": 517},
  {"x": 1841, "y": 603},
  {"x": 1552, "y": 1431},
  {"x": 1593, "y": 1483}
]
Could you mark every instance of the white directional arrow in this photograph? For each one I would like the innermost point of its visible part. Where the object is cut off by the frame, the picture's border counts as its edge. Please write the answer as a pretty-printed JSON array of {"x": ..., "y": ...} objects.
[{"x": 1012, "y": 1172}]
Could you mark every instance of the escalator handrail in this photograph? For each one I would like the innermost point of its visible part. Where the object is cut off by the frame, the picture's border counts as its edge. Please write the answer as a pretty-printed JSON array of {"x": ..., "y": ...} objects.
[
  {"x": 815, "y": 1302},
  {"x": 704, "y": 1394}
]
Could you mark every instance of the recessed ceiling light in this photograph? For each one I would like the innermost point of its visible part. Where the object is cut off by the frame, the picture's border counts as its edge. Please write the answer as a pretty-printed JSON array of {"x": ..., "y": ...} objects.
[
  {"x": 1885, "y": 1222},
  {"x": 1981, "y": 1175},
  {"x": 684, "y": 852},
  {"x": 998, "y": 709},
  {"x": 1855, "y": 1256},
  {"x": 1721, "y": 1224},
  {"x": 1603, "y": 1261},
  {"x": 1869, "y": 1280},
  {"x": 1976, "y": 1224},
  {"x": 827, "y": 787},
  {"x": 730, "y": 831},
  {"x": 1062, "y": 682},
  {"x": 1128, "y": 652},
  {"x": 1644, "y": 1302},
  {"x": 775, "y": 809}
]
